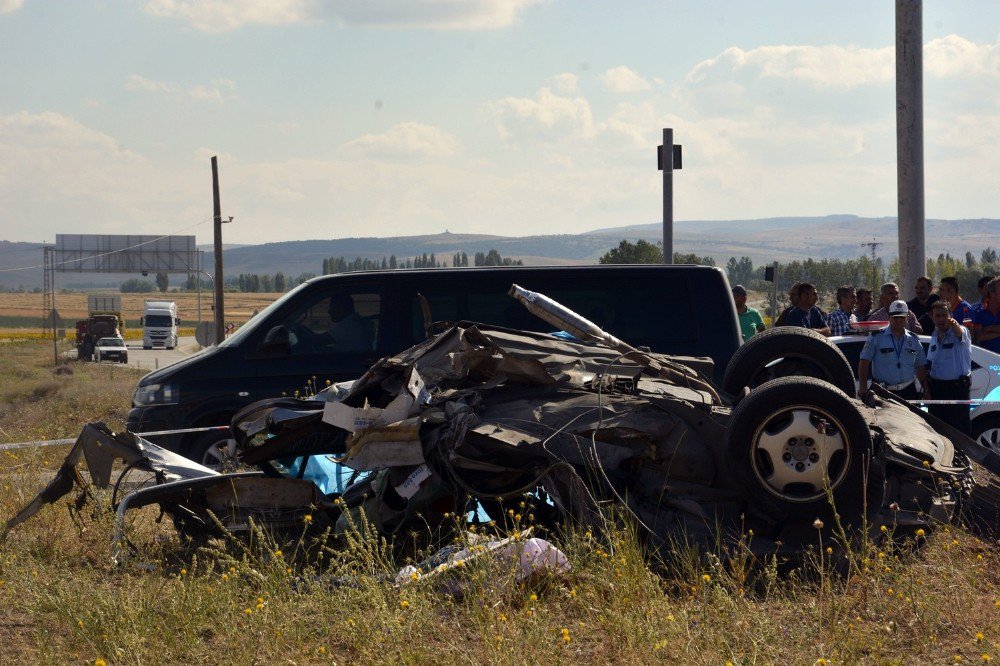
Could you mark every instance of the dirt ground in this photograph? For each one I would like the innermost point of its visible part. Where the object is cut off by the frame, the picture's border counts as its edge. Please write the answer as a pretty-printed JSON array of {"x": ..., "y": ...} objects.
[{"x": 239, "y": 306}]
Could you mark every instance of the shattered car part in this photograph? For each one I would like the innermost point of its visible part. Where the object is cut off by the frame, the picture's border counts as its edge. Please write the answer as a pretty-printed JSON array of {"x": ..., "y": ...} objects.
[{"x": 490, "y": 415}]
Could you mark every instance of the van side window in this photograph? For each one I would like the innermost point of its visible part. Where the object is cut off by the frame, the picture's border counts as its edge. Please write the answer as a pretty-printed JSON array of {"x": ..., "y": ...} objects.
[{"x": 342, "y": 322}]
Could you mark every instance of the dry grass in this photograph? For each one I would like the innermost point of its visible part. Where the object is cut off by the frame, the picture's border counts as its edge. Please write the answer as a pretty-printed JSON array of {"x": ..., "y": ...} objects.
[{"x": 61, "y": 600}]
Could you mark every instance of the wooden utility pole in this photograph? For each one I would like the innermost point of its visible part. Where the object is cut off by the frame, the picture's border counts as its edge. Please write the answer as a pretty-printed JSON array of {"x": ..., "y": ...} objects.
[{"x": 220, "y": 310}]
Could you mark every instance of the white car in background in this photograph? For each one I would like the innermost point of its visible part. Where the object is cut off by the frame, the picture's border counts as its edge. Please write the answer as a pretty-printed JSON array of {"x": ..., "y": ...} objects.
[
  {"x": 111, "y": 349},
  {"x": 985, "y": 385}
]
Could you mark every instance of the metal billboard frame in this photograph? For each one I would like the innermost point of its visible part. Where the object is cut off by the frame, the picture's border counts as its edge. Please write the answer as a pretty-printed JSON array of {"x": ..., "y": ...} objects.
[{"x": 108, "y": 253}]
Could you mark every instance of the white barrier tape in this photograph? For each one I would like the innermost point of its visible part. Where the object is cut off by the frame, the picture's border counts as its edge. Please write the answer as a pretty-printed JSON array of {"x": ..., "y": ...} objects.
[
  {"x": 954, "y": 402},
  {"x": 63, "y": 442}
]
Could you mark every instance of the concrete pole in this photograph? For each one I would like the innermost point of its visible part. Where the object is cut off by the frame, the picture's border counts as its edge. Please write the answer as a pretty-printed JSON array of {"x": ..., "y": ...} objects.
[
  {"x": 910, "y": 142},
  {"x": 668, "y": 195},
  {"x": 220, "y": 313}
]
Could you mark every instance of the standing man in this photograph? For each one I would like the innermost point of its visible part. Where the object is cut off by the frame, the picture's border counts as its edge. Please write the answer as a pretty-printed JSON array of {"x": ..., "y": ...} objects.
[
  {"x": 895, "y": 357},
  {"x": 750, "y": 320},
  {"x": 961, "y": 311},
  {"x": 986, "y": 320},
  {"x": 950, "y": 356},
  {"x": 806, "y": 314},
  {"x": 840, "y": 319},
  {"x": 889, "y": 294},
  {"x": 864, "y": 306},
  {"x": 982, "y": 286},
  {"x": 793, "y": 297},
  {"x": 920, "y": 306}
]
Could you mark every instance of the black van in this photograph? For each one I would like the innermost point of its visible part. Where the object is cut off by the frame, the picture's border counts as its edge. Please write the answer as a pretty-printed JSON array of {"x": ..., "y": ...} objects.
[{"x": 332, "y": 328}]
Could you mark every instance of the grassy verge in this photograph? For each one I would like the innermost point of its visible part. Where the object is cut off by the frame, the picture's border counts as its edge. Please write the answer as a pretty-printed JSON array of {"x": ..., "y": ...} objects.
[{"x": 61, "y": 600}]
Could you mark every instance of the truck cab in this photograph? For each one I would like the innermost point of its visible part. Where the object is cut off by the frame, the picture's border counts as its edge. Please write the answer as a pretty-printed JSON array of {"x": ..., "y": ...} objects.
[{"x": 159, "y": 324}]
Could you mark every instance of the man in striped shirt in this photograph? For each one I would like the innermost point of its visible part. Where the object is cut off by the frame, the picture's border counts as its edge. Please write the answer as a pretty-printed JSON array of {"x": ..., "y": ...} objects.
[{"x": 840, "y": 319}]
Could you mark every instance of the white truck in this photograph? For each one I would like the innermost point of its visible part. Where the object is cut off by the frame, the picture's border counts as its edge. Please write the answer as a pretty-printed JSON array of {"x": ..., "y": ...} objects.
[{"x": 159, "y": 324}]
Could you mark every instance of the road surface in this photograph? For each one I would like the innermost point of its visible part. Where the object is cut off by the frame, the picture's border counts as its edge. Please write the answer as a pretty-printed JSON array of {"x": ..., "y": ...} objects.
[{"x": 151, "y": 359}]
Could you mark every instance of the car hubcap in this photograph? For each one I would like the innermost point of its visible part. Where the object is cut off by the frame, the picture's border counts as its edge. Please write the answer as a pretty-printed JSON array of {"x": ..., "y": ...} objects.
[
  {"x": 799, "y": 452},
  {"x": 990, "y": 438},
  {"x": 221, "y": 455}
]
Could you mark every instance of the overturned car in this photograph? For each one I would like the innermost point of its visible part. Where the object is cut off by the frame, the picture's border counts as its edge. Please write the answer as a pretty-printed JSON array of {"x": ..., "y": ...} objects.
[{"x": 477, "y": 420}]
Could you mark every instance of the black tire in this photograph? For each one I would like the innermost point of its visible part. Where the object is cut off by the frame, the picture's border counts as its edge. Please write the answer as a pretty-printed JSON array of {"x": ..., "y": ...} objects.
[
  {"x": 145, "y": 347},
  {"x": 986, "y": 431},
  {"x": 776, "y": 452},
  {"x": 788, "y": 351}
]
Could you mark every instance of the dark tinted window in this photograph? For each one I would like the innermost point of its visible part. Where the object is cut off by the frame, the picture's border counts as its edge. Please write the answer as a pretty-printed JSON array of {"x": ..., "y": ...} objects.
[{"x": 632, "y": 311}]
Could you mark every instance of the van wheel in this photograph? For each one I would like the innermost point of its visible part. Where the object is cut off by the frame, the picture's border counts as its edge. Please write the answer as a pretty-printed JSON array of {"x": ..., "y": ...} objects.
[
  {"x": 215, "y": 450},
  {"x": 787, "y": 351},
  {"x": 795, "y": 444}
]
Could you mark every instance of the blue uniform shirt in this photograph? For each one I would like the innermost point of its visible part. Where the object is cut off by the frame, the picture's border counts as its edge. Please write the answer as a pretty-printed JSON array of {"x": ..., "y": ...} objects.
[
  {"x": 950, "y": 357},
  {"x": 893, "y": 361}
]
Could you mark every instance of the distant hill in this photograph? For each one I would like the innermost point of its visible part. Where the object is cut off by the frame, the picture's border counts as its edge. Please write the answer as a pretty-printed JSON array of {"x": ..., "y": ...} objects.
[{"x": 763, "y": 240}]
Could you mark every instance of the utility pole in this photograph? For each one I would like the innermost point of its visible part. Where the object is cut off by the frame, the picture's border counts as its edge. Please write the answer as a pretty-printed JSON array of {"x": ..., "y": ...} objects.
[
  {"x": 220, "y": 311},
  {"x": 910, "y": 142},
  {"x": 668, "y": 158},
  {"x": 872, "y": 245}
]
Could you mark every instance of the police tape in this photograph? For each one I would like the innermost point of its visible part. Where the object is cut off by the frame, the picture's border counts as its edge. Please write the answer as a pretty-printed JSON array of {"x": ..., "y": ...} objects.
[
  {"x": 63, "y": 442},
  {"x": 954, "y": 402}
]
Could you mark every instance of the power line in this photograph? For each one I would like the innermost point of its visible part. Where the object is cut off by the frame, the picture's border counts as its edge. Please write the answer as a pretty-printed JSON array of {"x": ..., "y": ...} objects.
[{"x": 104, "y": 254}]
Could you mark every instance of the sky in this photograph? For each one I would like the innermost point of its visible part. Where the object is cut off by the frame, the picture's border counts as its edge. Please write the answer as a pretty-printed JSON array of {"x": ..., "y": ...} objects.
[{"x": 343, "y": 118}]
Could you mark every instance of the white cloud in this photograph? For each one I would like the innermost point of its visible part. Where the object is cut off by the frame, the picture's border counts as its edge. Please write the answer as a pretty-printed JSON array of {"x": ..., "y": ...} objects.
[
  {"x": 137, "y": 83},
  {"x": 836, "y": 67},
  {"x": 10, "y": 6},
  {"x": 566, "y": 82},
  {"x": 405, "y": 140},
  {"x": 624, "y": 80},
  {"x": 546, "y": 116},
  {"x": 225, "y": 15},
  {"x": 218, "y": 91},
  {"x": 76, "y": 178},
  {"x": 954, "y": 56}
]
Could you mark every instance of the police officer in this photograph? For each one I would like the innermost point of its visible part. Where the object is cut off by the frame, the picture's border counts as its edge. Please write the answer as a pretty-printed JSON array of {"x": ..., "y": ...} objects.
[
  {"x": 895, "y": 357},
  {"x": 950, "y": 359}
]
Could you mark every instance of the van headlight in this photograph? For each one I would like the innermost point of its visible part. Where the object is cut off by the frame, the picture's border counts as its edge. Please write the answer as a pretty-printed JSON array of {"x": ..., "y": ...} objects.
[{"x": 155, "y": 394}]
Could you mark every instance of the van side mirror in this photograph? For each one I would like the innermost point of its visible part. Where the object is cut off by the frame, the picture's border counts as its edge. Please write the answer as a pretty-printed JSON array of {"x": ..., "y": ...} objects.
[
  {"x": 142, "y": 321},
  {"x": 177, "y": 320},
  {"x": 276, "y": 343}
]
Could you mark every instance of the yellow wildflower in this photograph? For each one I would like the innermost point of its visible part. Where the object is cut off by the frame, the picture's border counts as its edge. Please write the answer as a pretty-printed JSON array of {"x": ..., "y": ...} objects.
[{"x": 404, "y": 604}]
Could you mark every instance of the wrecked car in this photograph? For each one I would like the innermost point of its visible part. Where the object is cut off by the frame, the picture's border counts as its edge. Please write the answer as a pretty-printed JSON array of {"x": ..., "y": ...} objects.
[{"x": 478, "y": 419}]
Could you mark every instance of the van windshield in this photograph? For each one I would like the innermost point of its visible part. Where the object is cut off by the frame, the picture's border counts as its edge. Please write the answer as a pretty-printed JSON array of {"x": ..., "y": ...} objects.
[
  {"x": 155, "y": 321},
  {"x": 254, "y": 323}
]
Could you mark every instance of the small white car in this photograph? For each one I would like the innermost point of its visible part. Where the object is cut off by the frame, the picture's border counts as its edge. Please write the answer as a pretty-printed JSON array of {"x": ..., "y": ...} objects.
[
  {"x": 985, "y": 385},
  {"x": 111, "y": 349}
]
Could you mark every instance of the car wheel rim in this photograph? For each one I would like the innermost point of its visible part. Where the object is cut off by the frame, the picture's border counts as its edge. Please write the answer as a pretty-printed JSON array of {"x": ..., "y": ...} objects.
[
  {"x": 220, "y": 455},
  {"x": 990, "y": 438},
  {"x": 799, "y": 452}
]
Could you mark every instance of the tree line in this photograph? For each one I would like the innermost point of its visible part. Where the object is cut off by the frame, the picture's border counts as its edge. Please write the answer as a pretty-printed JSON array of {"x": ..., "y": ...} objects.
[
  {"x": 827, "y": 274},
  {"x": 244, "y": 282},
  {"x": 459, "y": 259}
]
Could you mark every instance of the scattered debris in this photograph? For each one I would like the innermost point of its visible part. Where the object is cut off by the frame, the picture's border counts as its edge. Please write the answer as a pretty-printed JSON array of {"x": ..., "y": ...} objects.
[{"x": 527, "y": 428}]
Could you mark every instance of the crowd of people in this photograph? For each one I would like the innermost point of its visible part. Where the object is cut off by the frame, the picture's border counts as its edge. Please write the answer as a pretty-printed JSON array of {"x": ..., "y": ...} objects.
[{"x": 893, "y": 356}]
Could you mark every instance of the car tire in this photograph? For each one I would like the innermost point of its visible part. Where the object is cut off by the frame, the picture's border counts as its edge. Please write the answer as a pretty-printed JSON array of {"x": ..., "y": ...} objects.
[
  {"x": 986, "y": 431},
  {"x": 215, "y": 449},
  {"x": 145, "y": 347},
  {"x": 787, "y": 468},
  {"x": 787, "y": 351}
]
